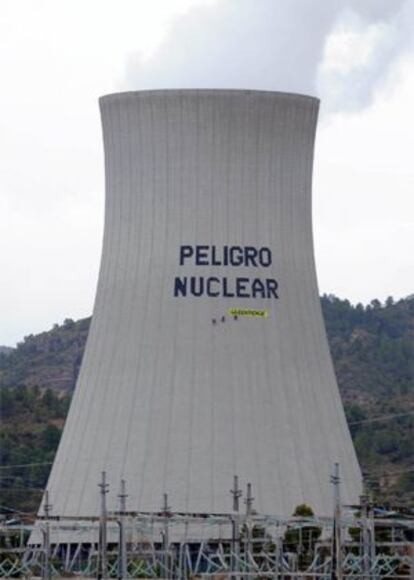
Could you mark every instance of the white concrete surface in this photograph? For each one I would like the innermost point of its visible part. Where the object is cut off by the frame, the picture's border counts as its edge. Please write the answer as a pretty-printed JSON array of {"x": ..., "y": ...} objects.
[{"x": 166, "y": 398}]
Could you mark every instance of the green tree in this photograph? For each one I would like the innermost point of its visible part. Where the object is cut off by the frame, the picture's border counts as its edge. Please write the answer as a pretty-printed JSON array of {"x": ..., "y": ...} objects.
[
  {"x": 302, "y": 536},
  {"x": 50, "y": 437}
]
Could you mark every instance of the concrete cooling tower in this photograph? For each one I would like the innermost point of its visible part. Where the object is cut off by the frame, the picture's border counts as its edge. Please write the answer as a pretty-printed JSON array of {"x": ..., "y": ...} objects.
[{"x": 207, "y": 355}]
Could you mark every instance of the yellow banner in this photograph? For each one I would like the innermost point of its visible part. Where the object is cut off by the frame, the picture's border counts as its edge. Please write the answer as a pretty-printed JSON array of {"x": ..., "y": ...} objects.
[{"x": 248, "y": 312}]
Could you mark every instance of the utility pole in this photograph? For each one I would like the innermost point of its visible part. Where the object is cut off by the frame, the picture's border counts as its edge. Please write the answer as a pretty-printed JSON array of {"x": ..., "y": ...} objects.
[
  {"x": 369, "y": 543},
  {"x": 122, "y": 562},
  {"x": 46, "y": 538},
  {"x": 236, "y": 493},
  {"x": 103, "y": 562},
  {"x": 365, "y": 536},
  {"x": 248, "y": 543},
  {"x": 371, "y": 523},
  {"x": 336, "y": 532},
  {"x": 278, "y": 573},
  {"x": 166, "y": 512}
]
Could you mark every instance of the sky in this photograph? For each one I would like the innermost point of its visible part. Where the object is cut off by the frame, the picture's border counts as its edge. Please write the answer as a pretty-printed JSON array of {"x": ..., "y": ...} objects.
[{"x": 57, "y": 58}]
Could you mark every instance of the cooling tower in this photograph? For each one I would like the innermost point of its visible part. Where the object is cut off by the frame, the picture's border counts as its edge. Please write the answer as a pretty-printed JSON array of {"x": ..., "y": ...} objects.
[{"x": 207, "y": 355}]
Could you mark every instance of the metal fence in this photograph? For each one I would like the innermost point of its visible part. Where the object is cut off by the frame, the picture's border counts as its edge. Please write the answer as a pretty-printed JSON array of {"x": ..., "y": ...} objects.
[{"x": 353, "y": 543}]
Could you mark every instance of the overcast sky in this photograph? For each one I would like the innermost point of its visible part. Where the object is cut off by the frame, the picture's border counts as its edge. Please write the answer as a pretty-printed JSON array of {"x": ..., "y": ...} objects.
[{"x": 57, "y": 58}]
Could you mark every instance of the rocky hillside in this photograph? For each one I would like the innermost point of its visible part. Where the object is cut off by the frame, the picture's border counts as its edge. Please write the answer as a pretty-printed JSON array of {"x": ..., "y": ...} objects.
[
  {"x": 372, "y": 349},
  {"x": 51, "y": 359},
  {"x": 373, "y": 353}
]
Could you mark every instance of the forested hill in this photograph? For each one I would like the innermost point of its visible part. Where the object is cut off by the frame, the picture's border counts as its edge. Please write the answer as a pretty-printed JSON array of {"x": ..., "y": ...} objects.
[
  {"x": 373, "y": 353},
  {"x": 372, "y": 348}
]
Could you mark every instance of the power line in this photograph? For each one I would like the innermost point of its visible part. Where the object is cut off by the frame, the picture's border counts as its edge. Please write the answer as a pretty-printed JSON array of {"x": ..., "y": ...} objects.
[
  {"x": 23, "y": 489},
  {"x": 21, "y": 465},
  {"x": 10, "y": 509},
  {"x": 379, "y": 473},
  {"x": 380, "y": 418}
]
